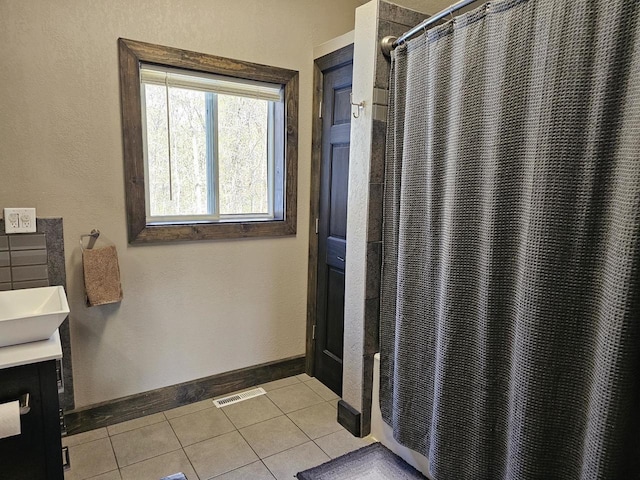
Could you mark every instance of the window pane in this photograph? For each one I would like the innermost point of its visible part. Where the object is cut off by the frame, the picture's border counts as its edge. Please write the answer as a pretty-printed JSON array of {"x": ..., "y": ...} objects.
[
  {"x": 243, "y": 155},
  {"x": 188, "y": 194}
]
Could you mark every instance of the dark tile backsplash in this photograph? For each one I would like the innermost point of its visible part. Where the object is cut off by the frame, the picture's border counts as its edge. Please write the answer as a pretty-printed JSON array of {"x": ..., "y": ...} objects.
[
  {"x": 37, "y": 260},
  {"x": 31, "y": 272},
  {"x": 5, "y": 274},
  {"x": 30, "y": 284},
  {"x": 24, "y": 259},
  {"x": 27, "y": 257},
  {"x": 374, "y": 258},
  {"x": 378, "y": 147},
  {"x": 27, "y": 241},
  {"x": 374, "y": 230}
]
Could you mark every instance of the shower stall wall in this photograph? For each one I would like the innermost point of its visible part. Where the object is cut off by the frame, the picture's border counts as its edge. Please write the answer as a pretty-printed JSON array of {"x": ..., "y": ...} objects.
[{"x": 374, "y": 21}]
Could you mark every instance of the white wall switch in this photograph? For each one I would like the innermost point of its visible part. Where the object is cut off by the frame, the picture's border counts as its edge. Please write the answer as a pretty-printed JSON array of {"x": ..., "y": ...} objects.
[{"x": 20, "y": 220}]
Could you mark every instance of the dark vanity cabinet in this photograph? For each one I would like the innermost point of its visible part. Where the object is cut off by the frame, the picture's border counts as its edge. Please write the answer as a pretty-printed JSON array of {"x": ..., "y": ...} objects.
[{"x": 35, "y": 454}]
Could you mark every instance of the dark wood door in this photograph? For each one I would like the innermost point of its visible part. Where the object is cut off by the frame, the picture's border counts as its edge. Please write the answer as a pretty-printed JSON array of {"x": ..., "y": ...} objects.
[{"x": 332, "y": 224}]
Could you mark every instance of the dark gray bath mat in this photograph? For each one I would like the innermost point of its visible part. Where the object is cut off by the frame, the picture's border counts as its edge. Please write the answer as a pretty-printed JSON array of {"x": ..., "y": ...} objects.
[{"x": 373, "y": 462}]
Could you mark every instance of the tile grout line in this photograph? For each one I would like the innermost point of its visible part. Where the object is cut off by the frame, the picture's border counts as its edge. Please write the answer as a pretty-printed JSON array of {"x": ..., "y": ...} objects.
[
  {"x": 247, "y": 442},
  {"x": 252, "y": 449},
  {"x": 182, "y": 446},
  {"x": 154, "y": 456},
  {"x": 109, "y": 436},
  {"x": 298, "y": 409},
  {"x": 309, "y": 440},
  {"x": 100, "y": 474},
  {"x": 238, "y": 468},
  {"x": 190, "y": 413},
  {"x": 257, "y": 423},
  {"x": 268, "y": 469},
  {"x": 137, "y": 428},
  {"x": 227, "y": 417},
  {"x": 320, "y": 447},
  {"x": 151, "y": 458},
  {"x": 243, "y": 439},
  {"x": 308, "y": 406},
  {"x": 176, "y": 435},
  {"x": 113, "y": 450},
  {"x": 332, "y": 433},
  {"x": 291, "y": 448},
  {"x": 185, "y": 414},
  {"x": 259, "y": 457}
]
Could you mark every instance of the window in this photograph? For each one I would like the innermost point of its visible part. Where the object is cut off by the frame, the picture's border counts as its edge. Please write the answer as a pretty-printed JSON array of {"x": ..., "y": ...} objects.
[{"x": 210, "y": 145}]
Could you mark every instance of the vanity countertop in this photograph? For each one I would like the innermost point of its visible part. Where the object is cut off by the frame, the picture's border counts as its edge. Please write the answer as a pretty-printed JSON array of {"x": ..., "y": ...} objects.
[{"x": 33, "y": 352}]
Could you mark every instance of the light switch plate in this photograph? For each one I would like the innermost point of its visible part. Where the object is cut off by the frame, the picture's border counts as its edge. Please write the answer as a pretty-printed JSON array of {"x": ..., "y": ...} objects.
[{"x": 20, "y": 220}]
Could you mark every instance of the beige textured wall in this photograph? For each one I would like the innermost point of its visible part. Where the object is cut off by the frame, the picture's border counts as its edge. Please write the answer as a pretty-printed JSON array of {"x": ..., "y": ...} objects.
[
  {"x": 431, "y": 7},
  {"x": 193, "y": 309}
]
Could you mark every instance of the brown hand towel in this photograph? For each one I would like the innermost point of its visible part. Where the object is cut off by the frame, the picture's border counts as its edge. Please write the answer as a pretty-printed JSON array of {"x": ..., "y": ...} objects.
[{"x": 101, "y": 275}]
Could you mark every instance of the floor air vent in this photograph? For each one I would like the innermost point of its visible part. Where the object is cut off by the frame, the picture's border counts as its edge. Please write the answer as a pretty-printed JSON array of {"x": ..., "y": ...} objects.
[{"x": 239, "y": 397}]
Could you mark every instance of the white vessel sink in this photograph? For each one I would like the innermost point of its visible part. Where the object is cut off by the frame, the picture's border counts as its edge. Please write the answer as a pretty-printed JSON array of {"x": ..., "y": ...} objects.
[{"x": 31, "y": 314}]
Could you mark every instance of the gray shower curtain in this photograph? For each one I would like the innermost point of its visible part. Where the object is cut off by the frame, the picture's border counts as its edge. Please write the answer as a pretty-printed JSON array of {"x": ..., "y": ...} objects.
[{"x": 510, "y": 302}]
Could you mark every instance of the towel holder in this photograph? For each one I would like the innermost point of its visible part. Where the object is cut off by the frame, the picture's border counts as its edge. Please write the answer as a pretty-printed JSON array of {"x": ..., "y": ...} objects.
[
  {"x": 24, "y": 403},
  {"x": 93, "y": 236}
]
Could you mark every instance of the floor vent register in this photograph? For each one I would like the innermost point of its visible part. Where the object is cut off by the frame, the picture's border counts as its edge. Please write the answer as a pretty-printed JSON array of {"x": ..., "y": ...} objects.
[{"x": 239, "y": 397}]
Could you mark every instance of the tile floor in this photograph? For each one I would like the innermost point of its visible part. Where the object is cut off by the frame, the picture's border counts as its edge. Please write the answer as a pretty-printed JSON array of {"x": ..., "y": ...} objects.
[{"x": 291, "y": 428}]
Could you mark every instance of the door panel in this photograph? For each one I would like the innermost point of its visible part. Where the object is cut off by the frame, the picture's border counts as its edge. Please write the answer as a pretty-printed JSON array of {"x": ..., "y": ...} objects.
[
  {"x": 336, "y": 252},
  {"x": 339, "y": 186},
  {"x": 332, "y": 224},
  {"x": 342, "y": 106},
  {"x": 335, "y": 312},
  {"x": 340, "y": 134}
]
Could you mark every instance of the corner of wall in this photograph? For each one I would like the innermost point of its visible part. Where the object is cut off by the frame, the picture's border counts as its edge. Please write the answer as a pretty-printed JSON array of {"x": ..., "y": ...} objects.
[
  {"x": 374, "y": 21},
  {"x": 357, "y": 215},
  {"x": 333, "y": 44}
]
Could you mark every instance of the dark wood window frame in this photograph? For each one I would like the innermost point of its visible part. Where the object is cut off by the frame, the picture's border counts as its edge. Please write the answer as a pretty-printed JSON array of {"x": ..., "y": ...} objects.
[{"x": 131, "y": 54}]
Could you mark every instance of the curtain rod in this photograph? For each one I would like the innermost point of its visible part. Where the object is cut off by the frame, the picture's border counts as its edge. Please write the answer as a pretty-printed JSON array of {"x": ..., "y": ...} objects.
[{"x": 389, "y": 43}]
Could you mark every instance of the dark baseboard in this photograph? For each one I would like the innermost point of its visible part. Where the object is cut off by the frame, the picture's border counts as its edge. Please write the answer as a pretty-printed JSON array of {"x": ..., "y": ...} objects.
[
  {"x": 349, "y": 418},
  {"x": 154, "y": 401}
]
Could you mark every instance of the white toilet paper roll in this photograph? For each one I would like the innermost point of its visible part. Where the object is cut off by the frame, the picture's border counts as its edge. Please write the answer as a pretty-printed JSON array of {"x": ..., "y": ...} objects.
[{"x": 9, "y": 419}]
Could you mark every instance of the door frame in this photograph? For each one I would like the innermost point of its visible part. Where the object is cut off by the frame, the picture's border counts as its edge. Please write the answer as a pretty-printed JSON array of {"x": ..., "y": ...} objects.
[{"x": 332, "y": 60}]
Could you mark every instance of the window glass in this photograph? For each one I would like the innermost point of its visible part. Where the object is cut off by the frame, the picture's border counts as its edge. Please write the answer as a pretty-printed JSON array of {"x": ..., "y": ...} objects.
[
  {"x": 208, "y": 154},
  {"x": 243, "y": 155},
  {"x": 178, "y": 183}
]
